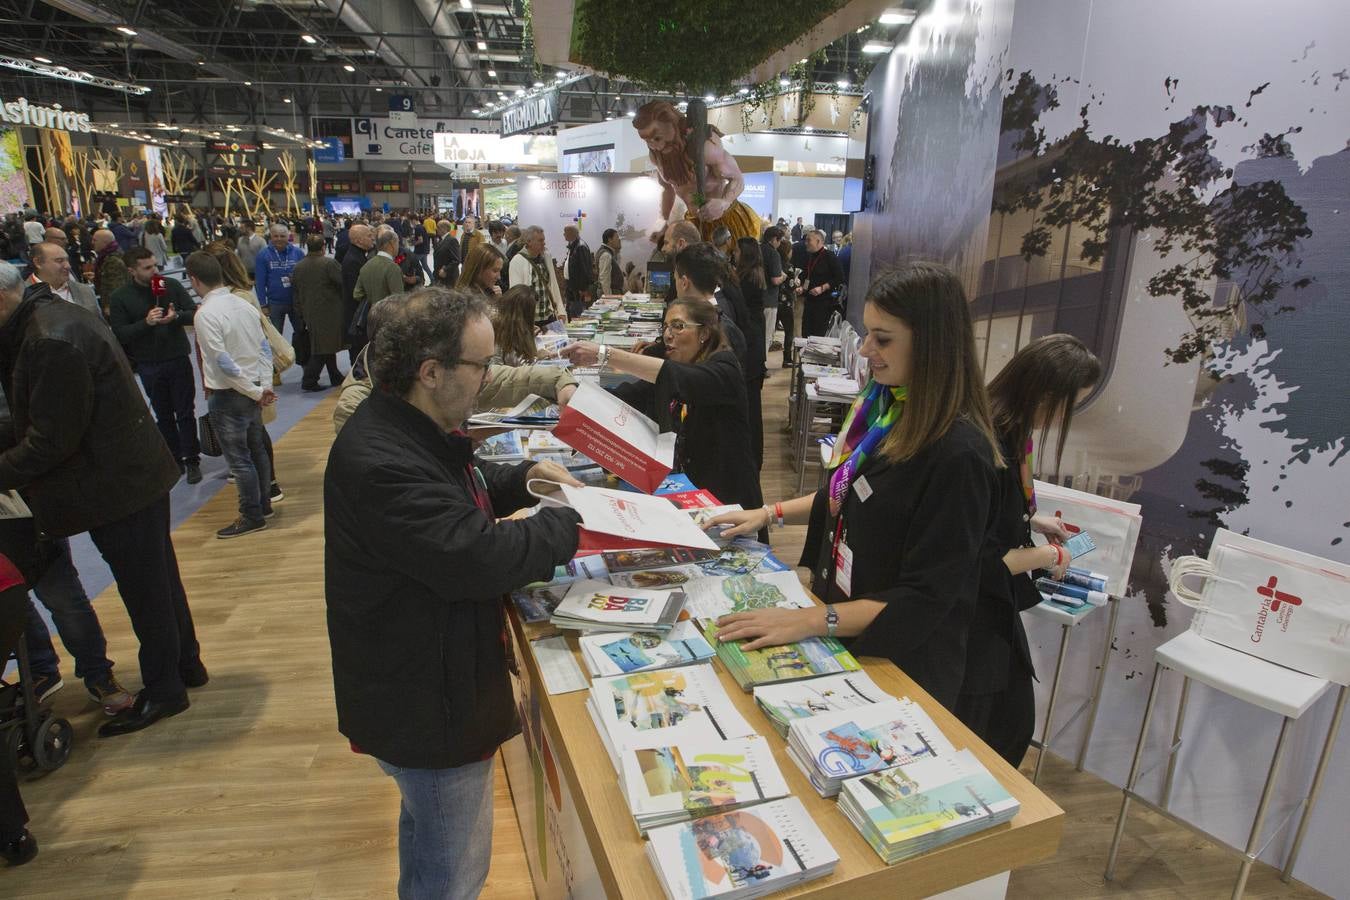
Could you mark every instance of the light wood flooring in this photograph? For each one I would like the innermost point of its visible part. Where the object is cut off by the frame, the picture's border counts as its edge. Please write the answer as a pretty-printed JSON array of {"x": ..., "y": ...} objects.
[{"x": 253, "y": 793}]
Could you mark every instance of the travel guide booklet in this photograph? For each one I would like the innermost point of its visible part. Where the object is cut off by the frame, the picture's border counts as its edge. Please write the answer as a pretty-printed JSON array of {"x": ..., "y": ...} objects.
[
  {"x": 593, "y": 605},
  {"x": 532, "y": 412},
  {"x": 655, "y": 558},
  {"x": 747, "y": 853},
  {"x": 635, "y": 651},
  {"x": 710, "y": 598},
  {"x": 537, "y": 604},
  {"x": 913, "y": 808},
  {"x": 834, "y": 746},
  {"x": 790, "y": 662},
  {"x": 504, "y": 447},
  {"x": 671, "y": 576},
  {"x": 663, "y": 705},
  {"x": 681, "y": 781},
  {"x": 785, "y": 703}
]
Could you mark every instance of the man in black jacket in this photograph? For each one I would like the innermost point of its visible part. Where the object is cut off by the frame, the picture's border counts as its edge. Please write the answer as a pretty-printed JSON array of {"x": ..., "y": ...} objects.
[
  {"x": 89, "y": 458},
  {"x": 360, "y": 239},
  {"x": 416, "y": 567},
  {"x": 446, "y": 259},
  {"x": 578, "y": 271},
  {"x": 821, "y": 278}
]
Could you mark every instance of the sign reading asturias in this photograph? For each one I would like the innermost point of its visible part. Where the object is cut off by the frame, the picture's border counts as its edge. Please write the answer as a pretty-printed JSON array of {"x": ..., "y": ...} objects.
[{"x": 21, "y": 112}]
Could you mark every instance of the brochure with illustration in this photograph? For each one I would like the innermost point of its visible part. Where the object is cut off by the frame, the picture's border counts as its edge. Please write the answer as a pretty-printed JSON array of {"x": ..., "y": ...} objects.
[
  {"x": 834, "y": 746},
  {"x": 504, "y": 447},
  {"x": 915, "y": 807},
  {"x": 746, "y": 853},
  {"x": 663, "y": 705},
  {"x": 710, "y": 598},
  {"x": 532, "y": 412},
  {"x": 786, "y": 703},
  {"x": 621, "y": 652},
  {"x": 790, "y": 662},
  {"x": 677, "y": 782},
  {"x": 592, "y": 605},
  {"x": 613, "y": 520}
]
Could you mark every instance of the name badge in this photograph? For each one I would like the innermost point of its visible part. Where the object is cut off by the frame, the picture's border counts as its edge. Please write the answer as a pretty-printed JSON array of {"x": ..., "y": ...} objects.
[
  {"x": 843, "y": 568},
  {"x": 862, "y": 488},
  {"x": 285, "y": 281}
]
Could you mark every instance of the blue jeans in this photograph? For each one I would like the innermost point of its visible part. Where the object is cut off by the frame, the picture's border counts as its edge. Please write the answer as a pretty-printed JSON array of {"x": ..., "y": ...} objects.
[
  {"x": 60, "y": 591},
  {"x": 444, "y": 830},
  {"x": 239, "y": 428},
  {"x": 277, "y": 315}
]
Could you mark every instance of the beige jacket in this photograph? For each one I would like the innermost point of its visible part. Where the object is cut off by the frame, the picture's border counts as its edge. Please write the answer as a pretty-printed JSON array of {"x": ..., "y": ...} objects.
[{"x": 506, "y": 386}]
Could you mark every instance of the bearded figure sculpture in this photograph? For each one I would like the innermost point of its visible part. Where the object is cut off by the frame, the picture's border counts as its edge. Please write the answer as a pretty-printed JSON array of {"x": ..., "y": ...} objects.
[{"x": 700, "y": 172}]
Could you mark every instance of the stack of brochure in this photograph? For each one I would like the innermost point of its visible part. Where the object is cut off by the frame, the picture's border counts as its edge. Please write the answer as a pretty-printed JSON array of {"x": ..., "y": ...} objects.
[
  {"x": 532, "y": 412},
  {"x": 710, "y": 598},
  {"x": 592, "y": 605},
  {"x": 913, "y": 808},
  {"x": 834, "y": 746},
  {"x": 620, "y": 652},
  {"x": 786, "y": 703},
  {"x": 836, "y": 387},
  {"x": 682, "y": 781},
  {"x": 667, "y": 705},
  {"x": 747, "y": 853},
  {"x": 790, "y": 662}
]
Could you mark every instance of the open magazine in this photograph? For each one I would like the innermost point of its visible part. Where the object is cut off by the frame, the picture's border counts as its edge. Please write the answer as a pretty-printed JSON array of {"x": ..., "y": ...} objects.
[{"x": 621, "y": 519}]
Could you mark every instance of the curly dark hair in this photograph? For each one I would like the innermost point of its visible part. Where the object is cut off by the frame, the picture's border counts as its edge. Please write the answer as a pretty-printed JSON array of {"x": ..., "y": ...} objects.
[{"x": 429, "y": 324}]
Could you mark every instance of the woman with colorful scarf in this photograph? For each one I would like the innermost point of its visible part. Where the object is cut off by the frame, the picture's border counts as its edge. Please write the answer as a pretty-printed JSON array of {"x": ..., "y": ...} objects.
[
  {"x": 1035, "y": 392},
  {"x": 895, "y": 541}
]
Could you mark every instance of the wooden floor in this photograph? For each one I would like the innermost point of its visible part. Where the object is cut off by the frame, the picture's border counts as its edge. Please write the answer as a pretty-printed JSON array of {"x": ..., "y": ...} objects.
[{"x": 253, "y": 793}]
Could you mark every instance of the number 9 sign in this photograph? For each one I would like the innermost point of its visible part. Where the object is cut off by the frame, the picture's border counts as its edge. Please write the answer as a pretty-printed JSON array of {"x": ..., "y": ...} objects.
[{"x": 400, "y": 103}]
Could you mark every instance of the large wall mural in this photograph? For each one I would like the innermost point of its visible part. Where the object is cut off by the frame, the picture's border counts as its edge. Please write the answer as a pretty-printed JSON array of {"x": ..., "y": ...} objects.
[{"x": 1170, "y": 183}]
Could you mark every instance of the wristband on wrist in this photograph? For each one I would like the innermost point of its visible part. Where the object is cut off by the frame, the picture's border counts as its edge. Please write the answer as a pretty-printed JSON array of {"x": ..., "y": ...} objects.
[
  {"x": 778, "y": 513},
  {"x": 1059, "y": 555},
  {"x": 602, "y": 356}
]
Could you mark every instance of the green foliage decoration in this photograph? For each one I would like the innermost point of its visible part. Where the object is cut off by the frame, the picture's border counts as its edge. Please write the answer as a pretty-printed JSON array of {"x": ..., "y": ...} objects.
[{"x": 688, "y": 46}]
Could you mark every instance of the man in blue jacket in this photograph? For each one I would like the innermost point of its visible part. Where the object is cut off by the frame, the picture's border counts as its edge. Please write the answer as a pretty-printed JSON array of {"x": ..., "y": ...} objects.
[{"x": 272, "y": 278}]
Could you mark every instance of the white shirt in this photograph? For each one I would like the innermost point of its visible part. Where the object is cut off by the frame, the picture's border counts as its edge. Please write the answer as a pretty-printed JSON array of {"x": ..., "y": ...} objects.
[
  {"x": 235, "y": 352},
  {"x": 519, "y": 273}
]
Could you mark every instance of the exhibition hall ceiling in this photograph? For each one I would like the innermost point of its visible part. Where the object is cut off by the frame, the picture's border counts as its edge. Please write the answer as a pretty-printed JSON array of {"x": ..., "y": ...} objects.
[{"x": 275, "y": 60}]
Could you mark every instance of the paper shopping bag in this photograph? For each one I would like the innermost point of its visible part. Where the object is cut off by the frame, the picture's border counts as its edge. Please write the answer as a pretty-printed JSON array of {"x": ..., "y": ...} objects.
[
  {"x": 1278, "y": 604},
  {"x": 1113, "y": 524},
  {"x": 617, "y": 436}
]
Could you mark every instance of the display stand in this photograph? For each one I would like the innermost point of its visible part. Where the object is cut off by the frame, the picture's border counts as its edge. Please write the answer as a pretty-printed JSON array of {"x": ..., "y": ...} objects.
[{"x": 581, "y": 840}]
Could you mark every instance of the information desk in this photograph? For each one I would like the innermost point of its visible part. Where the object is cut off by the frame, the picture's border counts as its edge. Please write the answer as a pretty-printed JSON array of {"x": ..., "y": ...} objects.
[{"x": 581, "y": 841}]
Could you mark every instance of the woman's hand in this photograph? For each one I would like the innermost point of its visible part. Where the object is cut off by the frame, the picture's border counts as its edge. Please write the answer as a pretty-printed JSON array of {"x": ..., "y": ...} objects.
[
  {"x": 771, "y": 627},
  {"x": 582, "y": 353},
  {"x": 746, "y": 521},
  {"x": 1050, "y": 526}
]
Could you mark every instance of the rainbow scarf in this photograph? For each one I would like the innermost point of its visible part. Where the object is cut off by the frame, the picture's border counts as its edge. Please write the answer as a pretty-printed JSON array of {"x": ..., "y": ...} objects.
[
  {"x": 874, "y": 411},
  {"x": 1028, "y": 481}
]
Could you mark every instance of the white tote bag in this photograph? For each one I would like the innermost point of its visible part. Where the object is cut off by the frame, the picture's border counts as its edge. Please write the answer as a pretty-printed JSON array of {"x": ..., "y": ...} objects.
[
  {"x": 617, "y": 436},
  {"x": 1278, "y": 604},
  {"x": 1113, "y": 524}
]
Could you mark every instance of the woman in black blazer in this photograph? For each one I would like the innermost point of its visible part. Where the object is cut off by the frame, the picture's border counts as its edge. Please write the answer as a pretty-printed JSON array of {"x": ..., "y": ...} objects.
[
  {"x": 1036, "y": 391},
  {"x": 894, "y": 544},
  {"x": 690, "y": 384}
]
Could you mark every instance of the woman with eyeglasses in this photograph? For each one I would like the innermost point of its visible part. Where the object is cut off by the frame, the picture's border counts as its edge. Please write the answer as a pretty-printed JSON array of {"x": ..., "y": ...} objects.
[{"x": 691, "y": 384}]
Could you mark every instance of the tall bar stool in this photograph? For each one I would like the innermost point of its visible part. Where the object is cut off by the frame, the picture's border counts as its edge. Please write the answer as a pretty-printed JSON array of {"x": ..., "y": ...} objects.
[
  {"x": 1254, "y": 681},
  {"x": 1068, "y": 622}
]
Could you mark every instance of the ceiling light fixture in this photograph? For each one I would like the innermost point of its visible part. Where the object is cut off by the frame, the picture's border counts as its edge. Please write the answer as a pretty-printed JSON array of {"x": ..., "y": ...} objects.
[
  {"x": 42, "y": 59},
  {"x": 520, "y": 92},
  {"x": 743, "y": 91},
  {"x": 876, "y": 47},
  {"x": 783, "y": 82},
  {"x": 809, "y": 128},
  {"x": 309, "y": 39},
  {"x": 631, "y": 113},
  {"x": 898, "y": 17},
  {"x": 285, "y": 99},
  {"x": 349, "y": 67},
  {"x": 129, "y": 32},
  {"x": 708, "y": 98},
  {"x": 559, "y": 74},
  {"x": 843, "y": 82},
  {"x": 466, "y": 4},
  {"x": 482, "y": 45},
  {"x": 538, "y": 84},
  {"x": 248, "y": 84},
  {"x": 492, "y": 73},
  {"x": 379, "y": 90}
]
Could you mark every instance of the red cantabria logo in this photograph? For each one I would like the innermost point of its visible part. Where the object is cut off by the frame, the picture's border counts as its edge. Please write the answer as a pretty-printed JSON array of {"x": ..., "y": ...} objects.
[{"x": 1277, "y": 597}]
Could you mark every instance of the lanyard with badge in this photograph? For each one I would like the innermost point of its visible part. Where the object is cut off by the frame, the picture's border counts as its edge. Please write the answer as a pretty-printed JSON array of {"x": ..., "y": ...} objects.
[{"x": 841, "y": 556}]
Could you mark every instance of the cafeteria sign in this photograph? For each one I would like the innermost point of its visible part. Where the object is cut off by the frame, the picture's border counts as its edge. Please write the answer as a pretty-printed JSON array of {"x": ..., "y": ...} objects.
[{"x": 21, "y": 112}]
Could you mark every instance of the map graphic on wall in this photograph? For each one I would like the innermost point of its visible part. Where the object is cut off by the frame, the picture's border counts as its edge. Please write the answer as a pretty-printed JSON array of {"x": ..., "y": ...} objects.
[{"x": 13, "y": 183}]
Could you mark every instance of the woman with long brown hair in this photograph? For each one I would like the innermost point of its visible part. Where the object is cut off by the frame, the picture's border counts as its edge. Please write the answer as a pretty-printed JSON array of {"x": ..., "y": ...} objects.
[
  {"x": 513, "y": 324},
  {"x": 482, "y": 270},
  {"x": 690, "y": 383},
  {"x": 1035, "y": 392},
  {"x": 895, "y": 541}
]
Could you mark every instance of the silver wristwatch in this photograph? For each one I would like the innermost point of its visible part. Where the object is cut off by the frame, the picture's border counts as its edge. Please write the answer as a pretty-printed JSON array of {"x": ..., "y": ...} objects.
[{"x": 831, "y": 620}]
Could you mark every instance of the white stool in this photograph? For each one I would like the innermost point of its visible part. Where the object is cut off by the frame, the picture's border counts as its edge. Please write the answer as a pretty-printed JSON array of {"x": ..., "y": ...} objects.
[
  {"x": 1254, "y": 681},
  {"x": 1067, "y": 622}
]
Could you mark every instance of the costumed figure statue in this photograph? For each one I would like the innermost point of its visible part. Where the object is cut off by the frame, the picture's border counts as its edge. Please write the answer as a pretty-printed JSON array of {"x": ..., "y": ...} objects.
[{"x": 700, "y": 172}]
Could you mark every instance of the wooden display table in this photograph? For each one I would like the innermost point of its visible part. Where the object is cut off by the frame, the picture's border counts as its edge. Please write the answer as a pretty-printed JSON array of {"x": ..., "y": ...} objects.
[{"x": 581, "y": 841}]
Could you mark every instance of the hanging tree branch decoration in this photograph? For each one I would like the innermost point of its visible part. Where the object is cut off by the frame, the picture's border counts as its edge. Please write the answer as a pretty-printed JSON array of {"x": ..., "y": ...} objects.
[
  {"x": 313, "y": 185},
  {"x": 286, "y": 160},
  {"x": 180, "y": 172},
  {"x": 258, "y": 186}
]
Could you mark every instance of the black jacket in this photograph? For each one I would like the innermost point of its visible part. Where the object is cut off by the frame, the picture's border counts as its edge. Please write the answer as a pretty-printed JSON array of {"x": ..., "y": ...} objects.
[
  {"x": 917, "y": 543},
  {"x": 712, "y": 445},
  {"x": 580, "y": 269},
  {"x": 142, "y": 341},
  {"x": 352, "y": 261},
  {"x": 998, "y": 642},
  {"x": 820, "y": 268},
  {"x": 415, "y": 572},
  {"x": 87, "y": 451},
  {"x": 446, "y": 257}
]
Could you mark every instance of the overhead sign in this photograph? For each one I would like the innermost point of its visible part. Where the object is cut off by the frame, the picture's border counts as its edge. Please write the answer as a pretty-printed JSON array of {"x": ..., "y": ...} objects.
[
  {"x": 21, "y": 112},
  {"x": 332, "y": 151},
  {"x": 401, "y": 111},
  {"x": 531, "y": 113},
  {"x": 230, "y": 147},
  {"x": 759, "y": 192},
  {"x": 489, "y": 149},
  {"x": 232, "y": 171},
  {"x": 374, "y": 138}
]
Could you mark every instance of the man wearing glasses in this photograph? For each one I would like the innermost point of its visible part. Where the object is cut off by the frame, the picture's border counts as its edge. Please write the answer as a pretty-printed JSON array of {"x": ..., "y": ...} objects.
[{"x": 416, "y": 566}]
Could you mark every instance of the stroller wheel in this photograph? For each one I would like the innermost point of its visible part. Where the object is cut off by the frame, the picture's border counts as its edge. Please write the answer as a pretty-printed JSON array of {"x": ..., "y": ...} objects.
[
  {"x": 52, "y": 748},
  {"x": 20, "y": 757}
]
